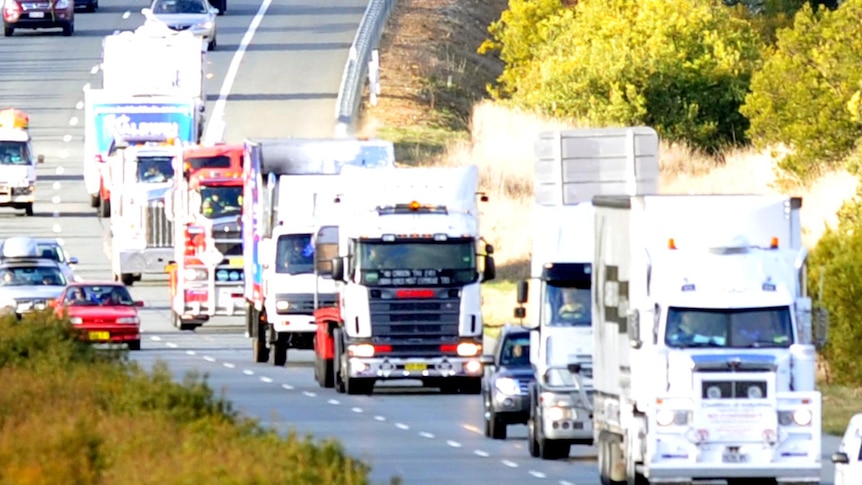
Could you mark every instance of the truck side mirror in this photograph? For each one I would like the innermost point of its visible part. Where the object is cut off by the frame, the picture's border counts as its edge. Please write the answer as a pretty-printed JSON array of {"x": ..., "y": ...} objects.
[
  {"x": 489, "y": 249},
  {"x": 40, "y": 159},
  {"x": 522, "y": 290},
  {"x": 840, "y": 457},
  {"x": 634, "y": 329},
  {"x": 490, "y": 271},
  {"x": 520, "y": 313},
  {"x": 338, "y": 269},
  {"x": 574, "y": 368}
]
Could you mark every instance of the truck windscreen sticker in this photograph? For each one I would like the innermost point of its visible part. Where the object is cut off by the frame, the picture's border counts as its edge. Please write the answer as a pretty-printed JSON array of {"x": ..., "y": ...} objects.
[{"x": 126, "y": 121}]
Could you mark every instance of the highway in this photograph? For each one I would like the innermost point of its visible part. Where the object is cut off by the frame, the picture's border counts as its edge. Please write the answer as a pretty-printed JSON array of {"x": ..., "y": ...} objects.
[{"x": 275, "y": 73}]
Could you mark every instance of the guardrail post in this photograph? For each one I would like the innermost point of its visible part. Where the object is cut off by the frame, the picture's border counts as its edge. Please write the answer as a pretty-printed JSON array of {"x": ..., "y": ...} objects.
[{"x": 374, "y": 77}]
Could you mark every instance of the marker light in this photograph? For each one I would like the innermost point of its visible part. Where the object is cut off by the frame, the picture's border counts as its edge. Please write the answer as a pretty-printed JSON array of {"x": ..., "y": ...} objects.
[
  {"x": 671, "y": 244},
  {"x": 414, "y": 206},
  {"x": 468, "y": 349},
  {"x": 774, "y": 243}
]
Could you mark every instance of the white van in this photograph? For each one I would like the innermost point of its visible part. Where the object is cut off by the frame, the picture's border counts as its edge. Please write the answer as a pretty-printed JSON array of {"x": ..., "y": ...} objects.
[
  {"x": 17, "y": 163},
  {"x": 848, "y": 458}
]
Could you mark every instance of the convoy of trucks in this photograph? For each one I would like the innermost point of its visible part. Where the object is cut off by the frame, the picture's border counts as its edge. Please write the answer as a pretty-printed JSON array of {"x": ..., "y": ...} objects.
[
  {"x": 204, "y": 206},
  {"x": 703, "y": 363},
  {"x": 290, "y": 187},
  {"x": 409, "y": 264},
  {"x": 572, "y": 166}
]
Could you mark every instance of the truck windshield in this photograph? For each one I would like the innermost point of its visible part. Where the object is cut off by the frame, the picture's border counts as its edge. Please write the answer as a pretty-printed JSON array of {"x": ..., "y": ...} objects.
[
  {"x": 14, "y": 153},
  {"x": 567, "y": 306},
  {"x": 294, "y": 254},
  {"x": 417, "y": 263},
  {"x": 219, "y": 201},
  {"x": 155, "y": 170},
  {"x": 198, "y": 163},
  {"x": 730, "y": 328}
]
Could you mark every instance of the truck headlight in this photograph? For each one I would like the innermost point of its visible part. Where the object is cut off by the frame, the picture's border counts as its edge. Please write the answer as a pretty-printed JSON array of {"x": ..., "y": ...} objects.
[
  {"x": 191, "y": 274},
  {"x": 360, "y": 350},
  {"x": 802, "y": 417},
  {"x": 132, "y": 320},
  {"x": 556, "y": 400},
  {"x": 468, "y": 349},
  {"x": 666, "y": 417},
  {"x": 559, "y": 414},
  {"x": 282, "y": 305},
  {"x": 507, "y": 386}
]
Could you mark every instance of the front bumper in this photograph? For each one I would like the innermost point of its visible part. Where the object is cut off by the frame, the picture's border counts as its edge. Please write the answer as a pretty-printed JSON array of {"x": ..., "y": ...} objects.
[
  {"x": 225, "y": 301},
  {"x": 15, "y": 196},
  {"x": 145, "y": 261},
  {"x": 292, "y": 323},
  {"x": 505, "y": 404},
  {"x": 577, "y": 426},
  {"x": 393, "y": 368},
  {"x": 59, "y": 19},
  {"x": 685, "y": 472},
  {"x": 120, "y": 333}
]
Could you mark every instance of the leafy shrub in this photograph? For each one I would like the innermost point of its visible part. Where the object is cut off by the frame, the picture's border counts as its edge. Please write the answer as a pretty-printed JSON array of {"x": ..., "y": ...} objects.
[
  {"x": 70, "y": 414},
  {"x": 800, "y": 98},
  {"x": 682, "y": 67}
]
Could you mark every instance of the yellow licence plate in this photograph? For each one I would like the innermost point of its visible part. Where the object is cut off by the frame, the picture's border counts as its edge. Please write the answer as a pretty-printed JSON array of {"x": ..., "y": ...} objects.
[
  {"x": 235, "y": 262},
  {"x": 100, "y": 336},
  {"x": 415, "y": 366}
]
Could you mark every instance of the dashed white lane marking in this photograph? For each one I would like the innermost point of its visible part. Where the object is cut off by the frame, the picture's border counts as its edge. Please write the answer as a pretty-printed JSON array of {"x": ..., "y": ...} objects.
[
  {"x": 356, "y": 410},
  {"x": 265, "y": 379},
  {"x": 215, "y": 128},
  {"x": 155, "y": 338},
  {"x": 191, "y": 352},
  {"x": 510, "y": 464},
  {"x": 79, "y": 105},
  {"x": 483, "y": 454},
  {"x": 566, "y": 482},
  {"x": 73, "y": 121},
  {"x": 536, "y": 474},
  {"x": 86, "y": 87},
  {"x": 56, "y": 186},
  {"x": 248, "y": 372},
  {"x": 57, "y": 228},
  {"x": 334, "y": 402},
  {"x": 208, "y": 358},
  {"x": 287, "y": 386},
  {"x": 309, "y": 393},
  {"x": 171, "y": 345},
  {"x": 60, "y": 171},
  {"x": 379, "y": 418},
  {"x": 453, "y": 444},
  {"x": 471, "y": 428},
  {"x": 67, "y": 138},
  {"x": 228, "y": 365},
  {"x": 126, "y": 14},
  {"x": 402, "y": 426},
  {"x": 426, "y": 434},
  {"x": 56, "y": 199},
  {"x": 94, "y": 69},
  {"x": 63, "y": 154}
]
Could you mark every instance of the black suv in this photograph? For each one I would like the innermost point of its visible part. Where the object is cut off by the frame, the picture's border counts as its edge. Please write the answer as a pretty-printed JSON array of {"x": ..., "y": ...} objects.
[{"x": 505, "y": 388}]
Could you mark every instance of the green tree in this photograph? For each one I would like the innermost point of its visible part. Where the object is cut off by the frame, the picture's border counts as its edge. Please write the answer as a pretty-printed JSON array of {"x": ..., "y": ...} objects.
[
  {"x": 835, "y": 269},
  {"x": 517, "y": 35},
  {"x": 800, "y": 97},
  {"x": 682, "y": 67}
]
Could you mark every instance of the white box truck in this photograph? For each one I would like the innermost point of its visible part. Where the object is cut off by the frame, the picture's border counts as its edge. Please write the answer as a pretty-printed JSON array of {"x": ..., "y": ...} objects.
[{"x": 703, "y": 366}]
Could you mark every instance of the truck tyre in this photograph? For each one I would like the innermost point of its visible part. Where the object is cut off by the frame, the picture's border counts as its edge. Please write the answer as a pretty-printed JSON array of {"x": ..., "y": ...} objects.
[
  {"x": 532, "y": 439},
  {"x": 94, "y": 201},
  {"x": 104, "y": 207},
  {"x": 128, "y": 279},
  {"x": 337, "y": 380},
  {"x": 323, "y": 372},
  {"x": 279, "y": 349},
  {"x": 28, "y": 209},
  {"x": 603, "y": 459},
  {"x": 258, "y": 346}
]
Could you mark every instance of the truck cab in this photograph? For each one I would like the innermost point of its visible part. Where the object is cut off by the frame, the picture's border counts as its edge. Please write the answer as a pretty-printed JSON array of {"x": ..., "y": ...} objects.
[
  {"x": 142, "y": 236},
  {"x": 17, "y": 162},
  {"x": 205, "y": 210}
]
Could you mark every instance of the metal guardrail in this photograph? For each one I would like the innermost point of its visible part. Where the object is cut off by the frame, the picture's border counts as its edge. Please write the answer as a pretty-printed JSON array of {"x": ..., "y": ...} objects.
[{"x": 362, "y": 64}]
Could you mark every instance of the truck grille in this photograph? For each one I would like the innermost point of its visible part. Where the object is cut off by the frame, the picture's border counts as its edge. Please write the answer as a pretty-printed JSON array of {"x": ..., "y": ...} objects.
[
  {"x": 303, "y": 303},
  {"x": 414, "y": 327},
  {"x": 733, "y": 389},
  {"x": 159, "y": 230}
]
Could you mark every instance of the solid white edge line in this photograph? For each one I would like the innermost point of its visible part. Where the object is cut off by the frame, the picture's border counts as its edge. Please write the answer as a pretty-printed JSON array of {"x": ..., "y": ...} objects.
[{"x": 215, "y": 124}]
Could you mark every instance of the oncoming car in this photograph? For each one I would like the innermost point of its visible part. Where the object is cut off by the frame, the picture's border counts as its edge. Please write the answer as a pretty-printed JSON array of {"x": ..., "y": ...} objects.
[
  {"x": 46, "y": 248},
  {"x": 102, "y": 312},
  {"x": 29, "y": 284},
  {"x": 196, "y": 16},
  {"x": 504, "y": 390}
]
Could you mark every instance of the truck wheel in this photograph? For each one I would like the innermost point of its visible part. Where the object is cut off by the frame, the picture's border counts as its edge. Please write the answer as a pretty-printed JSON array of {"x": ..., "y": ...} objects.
[
  {"x": 28, "y": 210},
  {"x": 323, "y": 372},
  {"x": 128, "y": 279},
  {"x": 104, "y": 208},
  {"x": 532, "y": 442},
  {"x": 279, "y": 350},
  {"x": 94, "y": 201},
  {"x": 337, "y": 380},
  {"x": 137, "y": 276},
  {"x": 603, "y": 459},
  {"x": 259, "y": 350}
]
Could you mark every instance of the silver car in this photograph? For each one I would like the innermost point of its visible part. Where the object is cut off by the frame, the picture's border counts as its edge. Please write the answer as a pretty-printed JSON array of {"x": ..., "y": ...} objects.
[
  {"x": 49, "y": 248},
  {"x": 196, "y": 16},
  {"x": 29, "y": 285}
]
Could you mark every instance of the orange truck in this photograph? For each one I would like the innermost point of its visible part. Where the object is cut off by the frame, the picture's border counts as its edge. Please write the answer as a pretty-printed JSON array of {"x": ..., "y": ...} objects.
[{"x": 206, "y": 274}]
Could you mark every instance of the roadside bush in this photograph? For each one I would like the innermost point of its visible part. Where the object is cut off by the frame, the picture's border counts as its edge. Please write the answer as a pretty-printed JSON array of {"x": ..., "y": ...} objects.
[
  {"x": 802, "y": 97},
  {"x": 835, "y": 268},
  {"x": 682, "y": 67},
  {"x": 70, "y": 414}
]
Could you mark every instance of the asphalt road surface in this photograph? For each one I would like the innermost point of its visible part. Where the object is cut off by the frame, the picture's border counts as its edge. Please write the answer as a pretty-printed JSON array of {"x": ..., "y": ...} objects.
[{"x": 275, "y": 73}]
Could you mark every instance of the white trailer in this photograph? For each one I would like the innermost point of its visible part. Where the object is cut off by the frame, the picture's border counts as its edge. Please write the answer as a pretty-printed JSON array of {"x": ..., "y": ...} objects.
[
  {"x": 572, "y": 166},
  {"x": 704, "y": 367}
]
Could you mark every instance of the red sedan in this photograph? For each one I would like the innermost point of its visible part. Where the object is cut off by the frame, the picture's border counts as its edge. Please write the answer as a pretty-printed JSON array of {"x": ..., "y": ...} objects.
[{"x": 104, "y": 312}]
